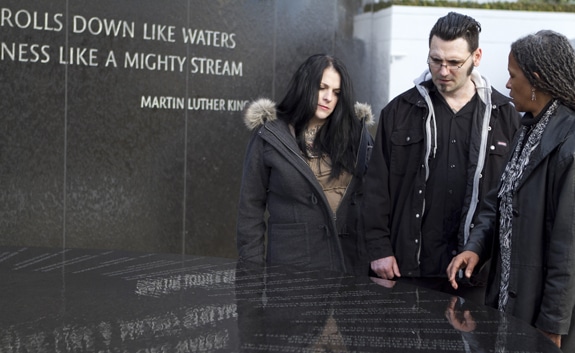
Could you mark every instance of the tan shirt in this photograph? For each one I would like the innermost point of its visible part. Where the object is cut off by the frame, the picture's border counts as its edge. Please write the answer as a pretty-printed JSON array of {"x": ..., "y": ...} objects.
[{"x": 334, "y": 189}]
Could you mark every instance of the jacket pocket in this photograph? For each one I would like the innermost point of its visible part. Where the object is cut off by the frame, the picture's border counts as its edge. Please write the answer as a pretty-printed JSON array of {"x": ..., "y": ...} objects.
[
  {"x": 407, "y": 150},
  {"x": 288, "y": 244},
  {"x": 499, "y": 148},
  {"x": 497, "y": 154}
]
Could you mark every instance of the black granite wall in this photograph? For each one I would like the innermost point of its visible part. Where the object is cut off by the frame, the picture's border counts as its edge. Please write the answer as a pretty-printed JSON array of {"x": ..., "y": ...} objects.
[{"x": 121, "y": 119}]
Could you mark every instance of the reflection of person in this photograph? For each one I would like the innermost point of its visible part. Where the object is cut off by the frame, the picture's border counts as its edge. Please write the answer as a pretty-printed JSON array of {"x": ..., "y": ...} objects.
[
  {"x": 279, "y": 309},
  {"x": 533, "y": 210},
  {"x": 305, "y": 164},
  {"x": 440, "y": 146},
  {"x": 460, "y": 319},
  {"x": 460, "y": 315}
]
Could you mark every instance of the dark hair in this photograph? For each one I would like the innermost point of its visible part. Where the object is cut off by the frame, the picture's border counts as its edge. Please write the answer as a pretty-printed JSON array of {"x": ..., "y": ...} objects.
[
  {"x": 339, "y": 136},
  {"x": 552, "y": 57},
  {"x": 455, "y": 25}
]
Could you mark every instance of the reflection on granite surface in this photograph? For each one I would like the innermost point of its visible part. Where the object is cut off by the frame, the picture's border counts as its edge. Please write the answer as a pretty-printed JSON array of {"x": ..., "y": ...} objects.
[{"x": 54, "y": 300}]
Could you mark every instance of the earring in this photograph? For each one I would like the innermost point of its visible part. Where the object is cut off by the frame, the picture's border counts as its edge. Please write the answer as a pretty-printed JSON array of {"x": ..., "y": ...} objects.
[{"x": 533, "y": 98}]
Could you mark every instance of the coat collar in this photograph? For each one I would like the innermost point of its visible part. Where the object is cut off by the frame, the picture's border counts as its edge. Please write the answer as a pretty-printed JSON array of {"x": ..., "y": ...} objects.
[
  {"x": 558, "y": 129},
  {"x": 264, "y": 110}
]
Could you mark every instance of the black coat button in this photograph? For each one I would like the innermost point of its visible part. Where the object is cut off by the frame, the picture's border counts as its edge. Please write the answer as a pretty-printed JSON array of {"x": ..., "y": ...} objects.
[
  {"x": 515, "y": 213},
  {"x": 512, "y": 294}
]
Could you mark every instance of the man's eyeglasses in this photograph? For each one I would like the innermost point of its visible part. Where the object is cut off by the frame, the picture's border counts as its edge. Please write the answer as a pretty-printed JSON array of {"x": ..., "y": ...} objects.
[{"x": 452, "y": 65}]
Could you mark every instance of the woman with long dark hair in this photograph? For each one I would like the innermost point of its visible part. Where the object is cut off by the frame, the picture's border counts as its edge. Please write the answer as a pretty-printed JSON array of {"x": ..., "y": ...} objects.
[{"x": 303, "y": 173}]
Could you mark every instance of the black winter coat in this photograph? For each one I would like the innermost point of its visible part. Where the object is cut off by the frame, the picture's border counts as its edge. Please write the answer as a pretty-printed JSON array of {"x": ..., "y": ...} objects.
[
  {"x": 302, "y": 229},
  {"x": 542, "y": 279}
]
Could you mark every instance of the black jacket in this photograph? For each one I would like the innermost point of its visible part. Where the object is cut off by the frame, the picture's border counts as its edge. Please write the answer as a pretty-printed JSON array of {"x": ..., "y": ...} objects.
[
  {"x": 542, "y": 280},
  {"x": 301, "y": 229},
  {"x": 396, "y": 179}
]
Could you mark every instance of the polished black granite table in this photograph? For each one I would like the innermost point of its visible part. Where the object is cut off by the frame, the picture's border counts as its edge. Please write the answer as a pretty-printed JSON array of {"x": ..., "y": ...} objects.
[{"x": 72, "y": 300}]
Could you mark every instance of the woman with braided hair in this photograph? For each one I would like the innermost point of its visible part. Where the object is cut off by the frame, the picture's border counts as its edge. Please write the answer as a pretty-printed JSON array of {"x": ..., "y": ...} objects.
[{"x": 527, "y": 224}]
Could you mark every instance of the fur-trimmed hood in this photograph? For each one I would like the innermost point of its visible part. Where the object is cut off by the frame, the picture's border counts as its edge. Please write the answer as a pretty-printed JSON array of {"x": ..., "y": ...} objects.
[{"x": 262, "y": 110}]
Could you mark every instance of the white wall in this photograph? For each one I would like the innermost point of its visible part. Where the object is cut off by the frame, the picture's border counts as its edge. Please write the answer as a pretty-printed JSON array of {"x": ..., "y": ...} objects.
[{"x": 397, "y": 40}]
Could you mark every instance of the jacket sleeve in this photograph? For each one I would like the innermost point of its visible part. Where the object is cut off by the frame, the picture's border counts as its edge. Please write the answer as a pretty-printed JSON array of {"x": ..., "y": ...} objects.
[
  {"x": 376, "y": 204},
  {"x": 559, "y": 284},
  {"x": 482, "y": 235},
  {"x": 251, "y": 226}
]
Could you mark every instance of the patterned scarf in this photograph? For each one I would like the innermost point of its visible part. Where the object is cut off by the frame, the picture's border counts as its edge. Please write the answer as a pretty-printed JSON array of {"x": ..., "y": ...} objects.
[{"x": 511, "y": 176}]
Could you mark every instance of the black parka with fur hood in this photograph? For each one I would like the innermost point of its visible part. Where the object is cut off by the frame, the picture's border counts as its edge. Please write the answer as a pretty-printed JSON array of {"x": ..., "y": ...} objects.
[{"x": 301, "y": 230}]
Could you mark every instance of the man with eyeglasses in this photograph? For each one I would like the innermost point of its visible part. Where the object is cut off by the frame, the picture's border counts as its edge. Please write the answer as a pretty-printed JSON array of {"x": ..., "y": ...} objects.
[{"x": 440, "y": 147}]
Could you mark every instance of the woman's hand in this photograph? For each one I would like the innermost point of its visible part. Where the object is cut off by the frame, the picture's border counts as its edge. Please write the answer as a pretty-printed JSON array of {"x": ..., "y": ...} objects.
[
  {"x": 555, "y": 338},
  {"x": 466, "y": 260}
]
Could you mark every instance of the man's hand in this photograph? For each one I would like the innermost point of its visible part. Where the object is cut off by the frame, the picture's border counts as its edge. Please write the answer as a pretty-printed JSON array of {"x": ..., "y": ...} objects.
[
  {"x": 466, "y": 260},
  {"x": 383, "y": 282},
  {"x": 386, "y": 267}
]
